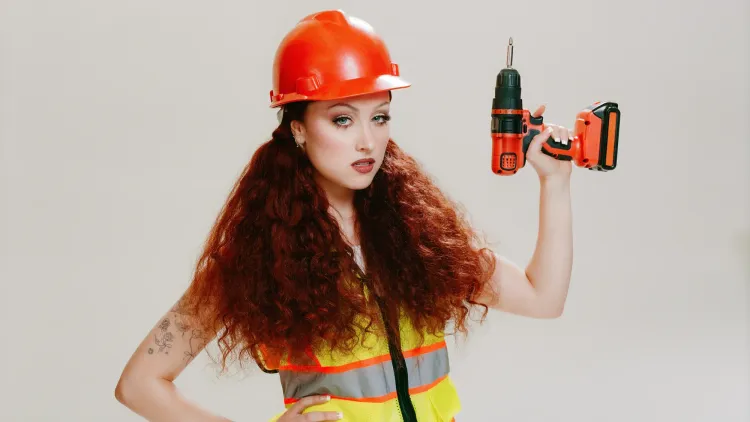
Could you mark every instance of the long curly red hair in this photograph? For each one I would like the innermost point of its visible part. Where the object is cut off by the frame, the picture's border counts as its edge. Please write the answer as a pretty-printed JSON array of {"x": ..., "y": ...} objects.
[{"x": 275, "y": 273}]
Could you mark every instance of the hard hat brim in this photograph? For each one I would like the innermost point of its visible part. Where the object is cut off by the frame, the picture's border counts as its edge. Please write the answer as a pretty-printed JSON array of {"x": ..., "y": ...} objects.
[{"x": 347, "y": 89}]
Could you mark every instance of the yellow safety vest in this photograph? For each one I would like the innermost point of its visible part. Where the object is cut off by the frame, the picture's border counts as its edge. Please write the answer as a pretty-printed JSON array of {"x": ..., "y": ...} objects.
[{"x": 366, "y": 387}]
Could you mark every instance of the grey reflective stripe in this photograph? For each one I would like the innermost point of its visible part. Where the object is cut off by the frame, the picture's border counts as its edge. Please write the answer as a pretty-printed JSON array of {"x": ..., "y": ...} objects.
[{"x": 371, "y": 381}]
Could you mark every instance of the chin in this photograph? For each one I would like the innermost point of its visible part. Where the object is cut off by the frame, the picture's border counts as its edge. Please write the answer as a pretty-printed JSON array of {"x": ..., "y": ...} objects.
[
  {"x": 360, "y": 184},
  {"x": 349, "y": 180},
  {"x": 359, "y": 181}
]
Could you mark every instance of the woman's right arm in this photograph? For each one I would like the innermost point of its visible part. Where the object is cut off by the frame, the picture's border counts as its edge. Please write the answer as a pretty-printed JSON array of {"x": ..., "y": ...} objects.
[{"x": 146, "y": 384}]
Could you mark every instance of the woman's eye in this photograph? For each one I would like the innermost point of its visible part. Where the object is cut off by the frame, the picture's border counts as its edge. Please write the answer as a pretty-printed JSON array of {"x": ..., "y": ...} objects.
[
  {"x": 344, "y": 121},
  {"x": 341, "y": 121},
  {"x": 383, "y": 119}
]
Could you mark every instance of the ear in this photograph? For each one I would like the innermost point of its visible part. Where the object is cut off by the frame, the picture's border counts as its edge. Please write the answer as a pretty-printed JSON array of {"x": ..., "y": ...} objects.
[{"x": 298, "y": 131}]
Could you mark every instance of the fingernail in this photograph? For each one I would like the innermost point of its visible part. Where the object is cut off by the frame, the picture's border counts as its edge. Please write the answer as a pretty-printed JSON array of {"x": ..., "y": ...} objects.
[
  {"x": 328, "y": 398},
  {"x": 339, "y": 415}
]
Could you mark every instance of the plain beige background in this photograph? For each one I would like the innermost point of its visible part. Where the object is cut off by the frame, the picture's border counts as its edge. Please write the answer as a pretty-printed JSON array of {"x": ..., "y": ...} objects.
[{"x": 124, "y": 124}]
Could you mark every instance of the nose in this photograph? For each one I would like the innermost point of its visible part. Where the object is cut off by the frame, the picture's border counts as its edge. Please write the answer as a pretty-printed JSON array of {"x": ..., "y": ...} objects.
[{"x": 366, "y": 140}]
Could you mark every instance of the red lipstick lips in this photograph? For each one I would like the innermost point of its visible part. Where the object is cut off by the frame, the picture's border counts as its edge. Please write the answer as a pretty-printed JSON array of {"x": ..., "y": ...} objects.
[{"x": 364, "y": 165}]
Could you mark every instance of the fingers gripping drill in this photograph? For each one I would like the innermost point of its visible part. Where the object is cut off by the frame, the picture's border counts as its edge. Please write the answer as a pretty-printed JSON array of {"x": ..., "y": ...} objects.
[{"x": 596, "y": 130}]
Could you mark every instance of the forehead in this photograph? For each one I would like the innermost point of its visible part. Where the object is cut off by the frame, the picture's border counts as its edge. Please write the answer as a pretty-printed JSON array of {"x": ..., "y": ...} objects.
[{"x": 360, "y": 102}]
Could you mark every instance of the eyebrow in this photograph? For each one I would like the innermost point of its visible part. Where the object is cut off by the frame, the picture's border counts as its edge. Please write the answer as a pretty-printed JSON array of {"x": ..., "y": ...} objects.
[{"x": 354, "y": 108}]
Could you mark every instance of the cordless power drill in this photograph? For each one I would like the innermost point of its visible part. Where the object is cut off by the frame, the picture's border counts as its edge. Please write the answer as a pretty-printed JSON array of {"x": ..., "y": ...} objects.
[{"x": 596, "y": 129}]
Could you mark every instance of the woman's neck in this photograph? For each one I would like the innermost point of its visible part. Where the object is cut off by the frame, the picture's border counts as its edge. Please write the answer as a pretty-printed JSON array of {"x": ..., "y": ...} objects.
[
  {"x": 340, "y": 198},
  {"x": 341, "y": 207}
]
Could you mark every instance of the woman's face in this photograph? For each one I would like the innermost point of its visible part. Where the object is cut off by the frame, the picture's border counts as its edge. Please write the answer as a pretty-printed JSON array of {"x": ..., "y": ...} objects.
[{"x": 346, "y": 139}]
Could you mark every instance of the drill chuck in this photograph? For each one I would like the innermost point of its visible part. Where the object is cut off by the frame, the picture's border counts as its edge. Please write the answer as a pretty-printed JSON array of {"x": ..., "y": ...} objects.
[
  {"x": 508, "y": 85},
  {"x": 508, "y": 90},
  {"x": 507, "y": 104}
]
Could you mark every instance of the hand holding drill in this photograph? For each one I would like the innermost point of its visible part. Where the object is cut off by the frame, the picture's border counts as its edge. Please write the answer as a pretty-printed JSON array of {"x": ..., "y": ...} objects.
[{"x": 536, "y": 155}]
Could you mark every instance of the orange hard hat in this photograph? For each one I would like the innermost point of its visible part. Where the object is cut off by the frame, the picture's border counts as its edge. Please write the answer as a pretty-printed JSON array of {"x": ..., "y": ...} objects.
[{"x": 330, "y": 55}]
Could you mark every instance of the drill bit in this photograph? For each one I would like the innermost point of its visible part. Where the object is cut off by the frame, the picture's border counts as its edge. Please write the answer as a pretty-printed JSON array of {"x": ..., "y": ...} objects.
[{"x": 509, "y": 54}]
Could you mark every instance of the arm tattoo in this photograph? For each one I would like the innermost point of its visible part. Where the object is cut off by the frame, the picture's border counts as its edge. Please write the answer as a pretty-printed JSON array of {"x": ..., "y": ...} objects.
[
  {"x": 196, "y": 337},
  {"x": 164, "y": 339}
]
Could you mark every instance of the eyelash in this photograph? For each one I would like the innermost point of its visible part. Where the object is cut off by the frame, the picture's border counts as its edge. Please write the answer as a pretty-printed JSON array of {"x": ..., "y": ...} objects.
[{"x": 386, "y": 118}]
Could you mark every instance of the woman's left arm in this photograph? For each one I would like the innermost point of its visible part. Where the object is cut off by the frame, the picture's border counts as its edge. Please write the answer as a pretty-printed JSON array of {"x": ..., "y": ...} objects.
[{"x": 540, "y": 290}]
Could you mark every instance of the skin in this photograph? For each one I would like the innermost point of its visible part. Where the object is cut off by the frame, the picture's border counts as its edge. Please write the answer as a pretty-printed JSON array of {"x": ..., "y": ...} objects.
[{"x": 334, "y": 134}]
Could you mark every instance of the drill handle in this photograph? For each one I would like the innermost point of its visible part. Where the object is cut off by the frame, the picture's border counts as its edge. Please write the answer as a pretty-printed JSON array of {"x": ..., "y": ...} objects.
[{"x": 535, "y": 125}]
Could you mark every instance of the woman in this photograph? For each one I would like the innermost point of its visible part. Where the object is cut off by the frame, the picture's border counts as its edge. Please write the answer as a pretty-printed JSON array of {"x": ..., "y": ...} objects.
[{"x": 336, "y": 262}]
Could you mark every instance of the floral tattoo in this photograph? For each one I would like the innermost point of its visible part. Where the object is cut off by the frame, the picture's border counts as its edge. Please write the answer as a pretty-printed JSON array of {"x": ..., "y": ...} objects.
[{"x": 164, "y": 338}]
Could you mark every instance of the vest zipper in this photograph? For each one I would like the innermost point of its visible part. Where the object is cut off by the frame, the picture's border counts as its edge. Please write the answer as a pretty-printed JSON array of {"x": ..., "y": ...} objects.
[
  {"x": 402, "y": 383},
  {"x": 400, "y": 374}
]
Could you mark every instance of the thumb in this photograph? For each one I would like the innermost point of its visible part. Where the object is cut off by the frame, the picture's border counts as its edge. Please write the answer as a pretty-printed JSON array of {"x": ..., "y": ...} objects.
[
  {"x": 539, "y": 111},
  {"x": 536, "y": 144}
]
